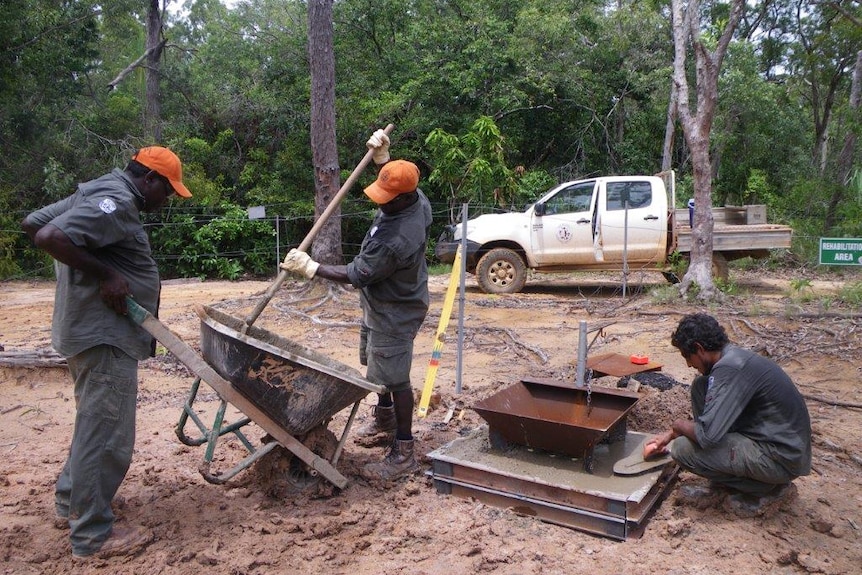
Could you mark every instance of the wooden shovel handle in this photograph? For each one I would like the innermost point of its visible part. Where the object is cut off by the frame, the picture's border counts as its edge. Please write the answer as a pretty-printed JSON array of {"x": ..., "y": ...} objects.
[{"x": 306, "y": 243}]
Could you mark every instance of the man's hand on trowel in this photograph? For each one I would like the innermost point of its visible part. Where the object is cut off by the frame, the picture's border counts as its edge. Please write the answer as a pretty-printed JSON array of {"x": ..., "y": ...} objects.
[{"x": 659, "y": 445}]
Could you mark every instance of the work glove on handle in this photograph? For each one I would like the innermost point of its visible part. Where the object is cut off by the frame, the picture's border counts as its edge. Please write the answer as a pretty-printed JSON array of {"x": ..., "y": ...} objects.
[
  {"x": 378, "y": 143},
  {"x": 299, "y": 263}
]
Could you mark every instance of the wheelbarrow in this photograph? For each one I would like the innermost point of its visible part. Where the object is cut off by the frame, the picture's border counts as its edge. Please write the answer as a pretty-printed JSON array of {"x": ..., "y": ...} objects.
[{"x": 286, "y": 389}]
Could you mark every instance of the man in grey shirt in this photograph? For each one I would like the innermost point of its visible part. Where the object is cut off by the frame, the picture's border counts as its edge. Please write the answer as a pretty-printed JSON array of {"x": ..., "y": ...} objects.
[
  {"x": 750, "y": 431},
  {"x": 103, "y": 252}
]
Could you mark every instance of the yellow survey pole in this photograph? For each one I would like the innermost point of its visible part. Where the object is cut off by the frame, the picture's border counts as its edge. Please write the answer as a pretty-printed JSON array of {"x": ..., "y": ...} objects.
[{"x": 437, "y": 350}]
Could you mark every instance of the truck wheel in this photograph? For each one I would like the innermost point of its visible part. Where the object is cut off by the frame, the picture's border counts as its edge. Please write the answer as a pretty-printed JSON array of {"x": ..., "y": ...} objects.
[{"x": 500, "y": 271}]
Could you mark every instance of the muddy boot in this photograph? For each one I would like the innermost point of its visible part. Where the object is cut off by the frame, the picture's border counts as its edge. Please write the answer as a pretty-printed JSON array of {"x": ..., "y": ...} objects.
[
  {"x": 746, "y": 506},
  {"x": 380, "y": 430},
  {"x": 399, "y": 461},
  {"x": 701, "y": 496}
]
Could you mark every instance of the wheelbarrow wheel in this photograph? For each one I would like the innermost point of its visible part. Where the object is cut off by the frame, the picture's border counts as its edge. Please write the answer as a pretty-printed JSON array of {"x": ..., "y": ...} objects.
[{"x": 282, "y": 474}]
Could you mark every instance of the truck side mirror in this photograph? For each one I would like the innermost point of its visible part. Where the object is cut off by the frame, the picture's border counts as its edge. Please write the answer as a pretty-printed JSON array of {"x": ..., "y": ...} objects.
[{"x": 539, "y": 210}]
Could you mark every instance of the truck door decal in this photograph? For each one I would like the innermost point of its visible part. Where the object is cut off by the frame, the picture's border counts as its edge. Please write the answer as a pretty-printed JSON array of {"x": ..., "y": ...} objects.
[{"x": 562, "y": 234}]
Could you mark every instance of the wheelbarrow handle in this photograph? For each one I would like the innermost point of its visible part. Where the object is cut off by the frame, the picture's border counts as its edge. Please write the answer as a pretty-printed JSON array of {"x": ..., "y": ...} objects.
[
  {"x": 306, "y": 242},
  {"x": 226, "y": 391},
  {"x": 158, "y": 330}
]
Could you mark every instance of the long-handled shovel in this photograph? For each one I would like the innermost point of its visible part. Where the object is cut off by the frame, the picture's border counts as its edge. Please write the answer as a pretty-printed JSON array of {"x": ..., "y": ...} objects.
[{"x": 306, "y": 243}]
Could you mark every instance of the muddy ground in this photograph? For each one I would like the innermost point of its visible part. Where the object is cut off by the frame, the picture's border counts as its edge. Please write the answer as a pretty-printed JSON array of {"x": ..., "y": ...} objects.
[{"x": 255, "y": 525}]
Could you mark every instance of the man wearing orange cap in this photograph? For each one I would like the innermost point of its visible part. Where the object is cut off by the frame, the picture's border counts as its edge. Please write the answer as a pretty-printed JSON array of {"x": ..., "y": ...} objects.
[
  {"x": 392, "y": 276},
  {"x": 103, "y": 255}
]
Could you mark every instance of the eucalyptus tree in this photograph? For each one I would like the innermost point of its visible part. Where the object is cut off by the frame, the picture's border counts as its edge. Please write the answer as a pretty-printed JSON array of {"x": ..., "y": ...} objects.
[
  {"x": 814, "y": 49},
  {"x": 696, "y": 115},
  {"x": 822, "y": 59},
  {"x": 760, "y": 140},
  {"x": 575, "y": 87},
  {"x": 52, "y": 95},
  {"x": 47, "y": 51},
  {"x": 327, "y": 244}
]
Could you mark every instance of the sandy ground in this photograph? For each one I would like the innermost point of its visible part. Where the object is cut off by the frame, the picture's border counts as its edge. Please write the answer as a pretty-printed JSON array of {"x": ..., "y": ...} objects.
[{"x": 254, "y": 525}]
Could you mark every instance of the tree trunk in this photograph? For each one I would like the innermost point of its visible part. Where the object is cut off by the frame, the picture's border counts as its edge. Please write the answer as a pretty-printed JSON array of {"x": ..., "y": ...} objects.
[
  {"x": 848, "y": 150},
  {"x": 327, "y": 245},
  {"x": 696, "y": 127},
  {"x": 153, "y": 111}
]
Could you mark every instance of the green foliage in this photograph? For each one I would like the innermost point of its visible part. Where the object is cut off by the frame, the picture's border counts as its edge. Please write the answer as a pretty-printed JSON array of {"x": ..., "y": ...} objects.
[
  {"x": 802, "y": 290},
  {"x": 226, "y": 246},
  {"x": 800, "y": 284},
  {"x": 852, "y": 294},
  {"x": 439, "y": 269},
  {"x": 57, "y": 183},
  {"x": 758, "y": 190},
  {"x": 532, "y": 184},
  {"x": 664, "y": 294},
  {"x": 9, "y": 265},
  {"x": 472, "y": 167},
  {"x": 728, "y": 286},
  {"x": 678, "y": 263}
]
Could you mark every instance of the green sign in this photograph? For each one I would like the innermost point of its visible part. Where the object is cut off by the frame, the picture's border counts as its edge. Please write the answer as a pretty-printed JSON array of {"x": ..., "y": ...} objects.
[{"x": 841, "y": 251}]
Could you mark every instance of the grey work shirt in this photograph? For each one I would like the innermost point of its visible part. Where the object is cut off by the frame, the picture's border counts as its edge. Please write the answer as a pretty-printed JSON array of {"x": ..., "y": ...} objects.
[
  {"x": 751, "y": 395},
  {"x": 391, "y": 270},
  {"x": 103, "y": 217}
]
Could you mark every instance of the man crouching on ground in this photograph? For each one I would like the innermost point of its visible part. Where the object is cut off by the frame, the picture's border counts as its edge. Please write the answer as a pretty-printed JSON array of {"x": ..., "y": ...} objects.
[{"x": 750, "y": 430}]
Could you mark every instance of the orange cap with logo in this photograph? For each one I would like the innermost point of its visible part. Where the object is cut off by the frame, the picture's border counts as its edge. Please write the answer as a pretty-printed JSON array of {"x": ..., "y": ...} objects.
[
  {"x": 395, "y": 178},
  {"x": 167, "y": 164}
]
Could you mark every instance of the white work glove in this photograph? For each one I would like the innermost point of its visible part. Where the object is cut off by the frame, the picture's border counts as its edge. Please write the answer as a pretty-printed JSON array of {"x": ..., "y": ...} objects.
[
  {"x": 300, "y": 263},
  {"x": 378, "y": 143}
]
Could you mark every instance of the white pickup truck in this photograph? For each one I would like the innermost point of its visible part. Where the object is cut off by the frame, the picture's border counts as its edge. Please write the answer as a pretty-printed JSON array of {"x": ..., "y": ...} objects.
[{"x": 605, "y": 223}]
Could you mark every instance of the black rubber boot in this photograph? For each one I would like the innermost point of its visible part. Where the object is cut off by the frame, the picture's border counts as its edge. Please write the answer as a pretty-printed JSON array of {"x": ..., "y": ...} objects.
[{"x": 382, "y": 422}]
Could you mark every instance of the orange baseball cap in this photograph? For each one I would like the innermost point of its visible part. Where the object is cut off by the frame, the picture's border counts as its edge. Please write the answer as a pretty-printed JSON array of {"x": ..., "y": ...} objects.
[
  {"x": 395, "y": 178},
  {"x": 167, "y": 164}
]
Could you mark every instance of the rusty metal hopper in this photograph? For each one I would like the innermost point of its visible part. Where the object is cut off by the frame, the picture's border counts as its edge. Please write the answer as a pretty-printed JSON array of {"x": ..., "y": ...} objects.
[{"x": 554, "y": 416}]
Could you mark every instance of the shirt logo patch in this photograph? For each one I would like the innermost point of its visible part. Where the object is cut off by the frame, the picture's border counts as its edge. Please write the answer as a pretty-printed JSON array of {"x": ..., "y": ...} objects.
[
  {"x": 373, "y": 231},
  {"x": 107, "y": 205}
]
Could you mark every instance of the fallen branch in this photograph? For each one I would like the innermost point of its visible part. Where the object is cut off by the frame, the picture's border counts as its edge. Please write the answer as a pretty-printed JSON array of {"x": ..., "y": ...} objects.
[
  {"x": 532, "y": 349},
  {"x": 834, "y": 402},
  {"x": 32, "y": 358}
]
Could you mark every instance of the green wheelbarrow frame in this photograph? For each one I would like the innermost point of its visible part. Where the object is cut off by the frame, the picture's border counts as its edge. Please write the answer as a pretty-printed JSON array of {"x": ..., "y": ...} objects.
[{"x": 228, "y": 394}]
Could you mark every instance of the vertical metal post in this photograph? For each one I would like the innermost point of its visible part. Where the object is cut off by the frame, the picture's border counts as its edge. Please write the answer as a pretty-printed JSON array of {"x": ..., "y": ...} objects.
[
  {"x": 459, "y": 359},
  {"x": 625, "y": 248},
  {"x": 277, "y": 245},
  {"x": 582, "y": 353}
]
